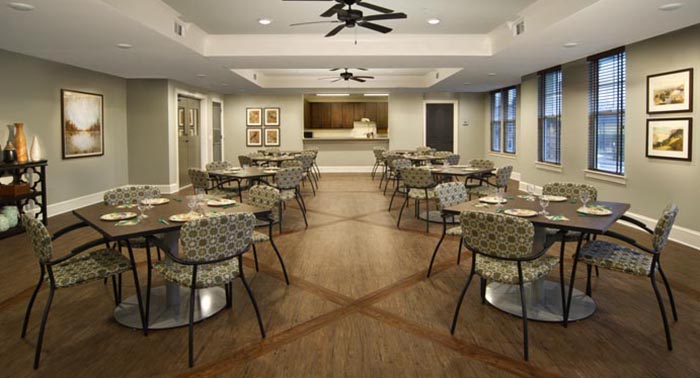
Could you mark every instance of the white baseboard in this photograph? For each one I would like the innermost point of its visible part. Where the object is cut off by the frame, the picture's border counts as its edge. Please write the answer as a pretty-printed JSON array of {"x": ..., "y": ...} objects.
[
  {"x": 680, "y": 235},
  {"x": 515, "y": 176},
  {"x": 347, "y": 169},
  {"x": 168, "y": 189}
]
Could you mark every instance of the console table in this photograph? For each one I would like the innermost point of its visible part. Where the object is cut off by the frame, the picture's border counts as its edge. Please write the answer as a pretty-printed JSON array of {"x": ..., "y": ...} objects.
[{"x": 32, "y": 173}]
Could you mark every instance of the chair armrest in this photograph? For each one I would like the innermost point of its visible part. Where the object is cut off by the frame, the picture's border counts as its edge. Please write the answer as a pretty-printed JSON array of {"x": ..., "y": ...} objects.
[
  {"x": 637, "y": 223},
  {"x": 159, "y": 243},
  {"x": 68, "y": 229},
  {"x": 629, "y": 241},
  {"x": 78, "y": 250}
]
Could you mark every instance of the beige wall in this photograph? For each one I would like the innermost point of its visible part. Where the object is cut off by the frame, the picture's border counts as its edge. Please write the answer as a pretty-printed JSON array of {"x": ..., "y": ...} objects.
[
  {"x": 32, "y": 94},
  {"x": 651, "y": 183}
]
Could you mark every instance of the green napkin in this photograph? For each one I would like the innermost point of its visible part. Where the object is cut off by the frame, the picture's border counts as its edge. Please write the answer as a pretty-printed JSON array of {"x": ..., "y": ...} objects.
[
  {"x": 163, "y": 221},
  {"x": 128, "y": 222},
  {"x": 557, "y": 218},
  {"x": 176, "y": 199},
  {"x": 481, "y": 205}
]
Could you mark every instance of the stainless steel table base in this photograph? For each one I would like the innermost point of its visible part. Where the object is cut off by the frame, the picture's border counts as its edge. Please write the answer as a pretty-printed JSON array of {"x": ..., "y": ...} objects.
[
  {"x": 207, "y": 301},
  {"x": 434, "y": 216},
  {"x": 543, "y": 300}
]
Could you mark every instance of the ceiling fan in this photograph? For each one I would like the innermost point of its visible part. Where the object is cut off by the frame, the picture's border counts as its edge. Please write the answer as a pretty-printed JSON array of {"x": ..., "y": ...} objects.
[
  {"x": 349, "y": 17},
  {"x": 347, "y": 76}
]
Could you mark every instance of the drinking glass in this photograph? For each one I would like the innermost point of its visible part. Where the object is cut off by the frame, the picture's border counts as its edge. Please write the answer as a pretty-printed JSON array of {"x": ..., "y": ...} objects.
[
  {"x": 531, "y": 192},
  {"x": 192, "y": 202},
  {"x": 585, "y": 196},
  {"x": 544, "y": 202},
  {"x": 499, "y": 197},
  {"x": 142, "y": 206}
]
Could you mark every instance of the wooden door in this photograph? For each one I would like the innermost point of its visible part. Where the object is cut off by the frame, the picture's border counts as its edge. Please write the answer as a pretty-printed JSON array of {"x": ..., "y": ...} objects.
[{"x": 439, "y": 126}]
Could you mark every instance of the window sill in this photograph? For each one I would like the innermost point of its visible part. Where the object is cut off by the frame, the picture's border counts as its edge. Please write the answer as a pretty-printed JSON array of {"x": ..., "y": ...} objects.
[
  {"x": 503, "y": 155},
  {"x": 549, "y": 167},
  {"x": 608, "y": 177}
]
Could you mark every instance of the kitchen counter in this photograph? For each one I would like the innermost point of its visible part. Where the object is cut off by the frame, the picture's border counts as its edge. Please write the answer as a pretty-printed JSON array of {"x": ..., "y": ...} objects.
[
  {"x": 344, "y": 152},
  {"x": 347, "y": 139}
]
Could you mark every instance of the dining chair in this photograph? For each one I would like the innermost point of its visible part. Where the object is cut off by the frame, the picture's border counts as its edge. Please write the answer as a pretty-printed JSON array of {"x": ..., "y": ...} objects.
[
  {"x": 307, "y": 162},
  {"x": 420, "y": 185},
  {"x": 316, "y": 168},
  {"x": 397, "y": 165},
  {"x": 245, "y": 161},
  {"x": 452, "y": 159},
  {"x": 78, "y": 267},
  {"x": 442, "y": 154},
  {"x": 288, "y": 180},
  {"x": 449, "y": 194},
  {"x": 472, "y": 182},
  {"x": 201, "y": 180},
  {"x": 390, "y": 171},
  {"x": 502, "y": 251},
  {"x": 638, "y": 260},
  {"x": 423, "y": 149},
  {"x": 221, "y": 181},
  {"x": 266, "y": 197},
  {"x": 488, "y": 188},
  {"x": 210, "y": 256},
  {"x": 379, "y": 159}
]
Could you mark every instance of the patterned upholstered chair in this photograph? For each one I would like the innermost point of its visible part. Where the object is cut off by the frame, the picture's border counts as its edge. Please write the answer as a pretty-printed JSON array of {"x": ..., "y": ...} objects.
[
  {"x": 75, "y": 268},
  {"x": 390, "y": 171},
  {"x": 423, "y": 149},
  {"x": 379, "y": 160},
  {"x": 202, "y": 181},
  {"x": 638, "y": 260},
  {"x": 222, "y": 181},
  {"x": 487, "y": 188},
  {"x": 266, "y": 197},
  {"x": 482, "y": 164},
  {"x": 245, "y": 161},
  {"x": 291, "y": 163},
  {"x": 397, "y": 165},
  {"x": 314, "y": 152},
  {"x": 218, "y": 166},
  {"x": 452, "y": 159},
  {"x": 210, "y": 256},
  {"x": 502, "y": 252},
  {"x": 287, "y": 180},
  {"x": 128, "y": 195},
  {"x": 307, "y": 161},
  {"x": 420, "y": 184},
  {"x": 442, "y": 154},
  {"x": 449, "y": 194}
]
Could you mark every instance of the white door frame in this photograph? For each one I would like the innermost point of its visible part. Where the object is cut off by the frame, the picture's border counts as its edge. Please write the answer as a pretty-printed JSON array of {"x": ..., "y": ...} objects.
[
  {"x": 204, "y": 129},
  {"x": 455, "y": 121},
  {"x": 221, "y": 103}
]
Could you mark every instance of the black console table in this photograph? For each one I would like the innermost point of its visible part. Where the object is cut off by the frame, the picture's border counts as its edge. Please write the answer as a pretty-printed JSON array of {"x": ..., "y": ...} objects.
[{"x": 37, "y": 190}]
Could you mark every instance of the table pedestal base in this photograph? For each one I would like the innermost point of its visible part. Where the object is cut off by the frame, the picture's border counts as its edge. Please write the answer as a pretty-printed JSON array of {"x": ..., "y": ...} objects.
[
  {"x": 543, "y": 301},
  {"x": 207, "y": 303}
]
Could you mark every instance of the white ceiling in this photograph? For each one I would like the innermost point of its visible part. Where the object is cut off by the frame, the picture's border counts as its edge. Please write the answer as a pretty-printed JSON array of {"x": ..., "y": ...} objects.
[
  {"x": 51, "y": 32},
  {"x": 240, "y": 17}
]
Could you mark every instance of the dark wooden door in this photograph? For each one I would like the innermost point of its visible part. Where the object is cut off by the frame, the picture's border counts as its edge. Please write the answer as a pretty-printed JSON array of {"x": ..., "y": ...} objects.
[{"x": 439, "y": 125}]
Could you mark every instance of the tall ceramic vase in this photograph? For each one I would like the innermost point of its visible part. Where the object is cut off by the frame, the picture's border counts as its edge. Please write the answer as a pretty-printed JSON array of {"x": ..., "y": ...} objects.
[
  {"x": 35, "y": 151},
  {"x": 21, "y": 143}
]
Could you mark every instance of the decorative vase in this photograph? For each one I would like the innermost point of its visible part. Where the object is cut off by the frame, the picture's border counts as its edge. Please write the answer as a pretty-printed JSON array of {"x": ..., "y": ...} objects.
[
  {"x": 35, "y": 151},
  {"x": 9, "y": 155},
  {"x": 20, "y": 143}
]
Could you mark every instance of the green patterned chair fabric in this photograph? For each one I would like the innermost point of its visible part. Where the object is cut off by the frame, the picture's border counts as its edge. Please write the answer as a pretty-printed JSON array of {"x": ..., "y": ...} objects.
[
  {"x": 245, "y": 161},
  {"x": 306, "y": 160},
  {"x": 496, "y": 237},
  {"x": 272, "y": 150},
  {"x": 208, "y": 275},
  {"x": 502, "y": 178},
  {"x": 218, "y": 166},
  {"x": 442, "y": 154},
  {"x": 423, "y": 149},
  {"x": 199, "y": 178},
  {"x": 90, "y": 266},
  {"x": 453, "y": 159},
  {"x": 289, "y": 178},
  {"x": 379, "y": 154},
  {"x": 417, "y": 178},
  {"x": 399, "y": 164},
  {"x": 450, "y": 194},
  {"x": 130, "y": 194},
  {"x": 481, "y": 163},
  {"x": 627, "y": 260},
  {"x": 569, "y": 189},
  {"x": 291, "y": 163},
  {"x": 264, "y": 197}
]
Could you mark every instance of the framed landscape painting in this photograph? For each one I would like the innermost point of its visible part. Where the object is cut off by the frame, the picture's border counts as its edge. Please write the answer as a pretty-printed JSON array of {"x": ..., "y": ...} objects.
[
  {"x": 670, "y": 92},
  {"x": 253, "y": 116},
  {"x": 670, "y": 138},
  {"x": 272, "y": 116},
  {"x": 272, "y": 137},
  {"x": 82, "y": 128},
  {"x": 254, "y": 137}
]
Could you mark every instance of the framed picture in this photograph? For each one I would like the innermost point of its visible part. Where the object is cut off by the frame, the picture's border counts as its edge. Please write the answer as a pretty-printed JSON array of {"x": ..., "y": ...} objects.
[
  {"x": 272, "y": 116},
  {"x": 253, "y": 116},
  {"x": 254, "y": 137},
  {"x": 670, "y": 138},
  {"x": 670, "y": 92},
  {"x": 82, "y": 124},
  {"x": 272, "y": 137}
]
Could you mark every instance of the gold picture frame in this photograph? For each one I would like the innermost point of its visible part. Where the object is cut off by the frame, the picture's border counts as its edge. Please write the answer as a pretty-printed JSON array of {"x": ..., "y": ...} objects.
[{"x": 254, "y": 116}]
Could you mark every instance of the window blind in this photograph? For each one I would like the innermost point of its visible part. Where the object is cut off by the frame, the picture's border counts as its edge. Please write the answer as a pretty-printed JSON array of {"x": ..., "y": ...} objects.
[
  {"x": 511, "y": 95},
  {"x": 606, "y": 145},
  {"x": 496, "y": 113},
  {"x": 549, "y": 116}
]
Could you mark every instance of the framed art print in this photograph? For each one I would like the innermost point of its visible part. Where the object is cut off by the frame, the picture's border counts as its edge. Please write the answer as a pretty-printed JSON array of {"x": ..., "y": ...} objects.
[
  {"x": 254, "y": 137},
  {"x": 272, "y": 137},
  {"x": 272, "y": 116},
  {"x": 253, "y": 116},
  {"x": 82, "y": 127},
  {"x": 670, "y": 92},
  {"x": 670, "y": 138}
]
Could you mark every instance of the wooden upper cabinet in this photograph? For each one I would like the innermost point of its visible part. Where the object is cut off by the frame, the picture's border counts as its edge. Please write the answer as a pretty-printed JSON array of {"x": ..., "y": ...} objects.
[
  {"x": 348, "y": 115},
  {"x": 358, "y": 110},
  {"x": 382, "y": 115},
  {"x": 371, "y": 111},
  {"x": 336, "y": 115},
  {"x": 321, "y": 115}
]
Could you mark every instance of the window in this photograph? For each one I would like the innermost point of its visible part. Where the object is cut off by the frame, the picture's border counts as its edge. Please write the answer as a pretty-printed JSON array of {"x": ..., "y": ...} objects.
[
  {"x": 549, "y": 117},
  {"x": 606, "y": 144},
  {"x": 503, "y": 108}
]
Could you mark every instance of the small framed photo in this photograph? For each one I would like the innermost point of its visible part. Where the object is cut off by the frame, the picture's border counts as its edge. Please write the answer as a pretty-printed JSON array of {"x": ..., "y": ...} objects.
[
  {"x": 670, "y": 92},
  {"x": 272, "y": 116},
  {"x": 254, "y": 137},
  {"x": 253, "y": 116},
  {"x": 272, "y": 137},
  {"x": 670, "y": 138}
]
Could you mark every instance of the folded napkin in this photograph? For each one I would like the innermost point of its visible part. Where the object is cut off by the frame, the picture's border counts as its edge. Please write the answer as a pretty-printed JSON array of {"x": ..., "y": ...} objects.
[
  {"x": 557, "y": 218},
  {"x": 128, "y": 222}
]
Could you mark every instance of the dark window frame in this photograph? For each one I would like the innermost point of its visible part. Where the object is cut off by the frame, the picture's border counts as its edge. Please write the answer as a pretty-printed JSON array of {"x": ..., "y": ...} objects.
[
  {"x": 500, "y": 119},
  {"x": 549, "y": 103}
]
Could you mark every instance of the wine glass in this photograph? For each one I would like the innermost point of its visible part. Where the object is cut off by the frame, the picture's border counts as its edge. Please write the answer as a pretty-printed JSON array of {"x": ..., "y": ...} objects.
[
  {"x": 531, "y": 192},
  {"x": 142, "y": 206},
  {"x": 544, "y": 202},
  {"x": 192, "y": 202},
  {"x": 585, "y": 196},
  {"x": 499, "y": 197}
]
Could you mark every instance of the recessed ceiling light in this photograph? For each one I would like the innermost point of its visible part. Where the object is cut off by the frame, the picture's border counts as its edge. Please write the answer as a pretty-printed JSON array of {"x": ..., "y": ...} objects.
[
  {"x": 124, "y": 45},
  {"x": 569, "y": 45},
  {"x": 670, "y": 6},
  {"x": 201, "y": 75},
  {"x": 492, "y": 74},
  {"x": 24, "y": 7},
  {"x": 332, "y": 94},
  {"x": 376, "y": 94},
  {"x": 264, "y": 21},
  {"x": 433, "y": 21}
]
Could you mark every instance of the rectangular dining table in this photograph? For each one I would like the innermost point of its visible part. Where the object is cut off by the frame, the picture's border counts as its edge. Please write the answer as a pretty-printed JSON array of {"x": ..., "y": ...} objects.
[
  {"x": 169, "y": 303},
  {"x": 543, "y": 296}
]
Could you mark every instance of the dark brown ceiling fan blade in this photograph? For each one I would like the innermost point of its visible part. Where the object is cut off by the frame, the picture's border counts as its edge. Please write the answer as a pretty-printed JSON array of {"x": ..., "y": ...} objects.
[
  {"x": 336, "y": 30},
  {"x": 390, "y": 16},
  {"x": 375, "y": 27},
  {"x": 333, "y": 10},
  {"x": 315, "y": 22},
  {"x": 307, "y": 0},
  {"x": 333, "y": 81},
  {"x": 360, "y": 68},
  {"x": 364, "y": 77},
  {"x": 336, "y": 69},
  {"x": 374, "y": 7},
  {"x": 357, "y": 79}
]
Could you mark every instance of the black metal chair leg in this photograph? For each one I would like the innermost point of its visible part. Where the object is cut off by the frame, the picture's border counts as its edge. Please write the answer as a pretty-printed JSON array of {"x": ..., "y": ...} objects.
[
  {"x": 403, "y": 205},
  {"x": 662, "y": 308},
  {"x": 255, "y": 257},
  {"x": 31, "y": 302},
  {"x": 461, "y": 297},
  {"x": 280, "y": 216},
  {"x": 597, "y": 273},
  {"x": 391, "y": 203},
  {"x": 571, "y": 282},
  {"x": 115, "y": 291},
  {"x": 524, "y": 307},
  {"x": 137, "y": 288},
  {"x": 255, "y": 305},
  {"x": 303, "y": 213},
  {"x": 437, "y": 247},
  {"x": 193, "y": 291},
  {"x": 483, "y": 290},
  {"x": 459, "y": 250},
  {"x": 589, "y": 270},
  {"x": 668, "y": 291},
  {"x": 279, "y": 257},
  {"x": 42, "y": 327}
]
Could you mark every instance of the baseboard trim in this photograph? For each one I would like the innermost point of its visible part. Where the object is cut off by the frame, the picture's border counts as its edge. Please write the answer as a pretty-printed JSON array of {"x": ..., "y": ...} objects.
[
  {"x": 346, "y": 169},
  {"x": 681, "y": 235}
]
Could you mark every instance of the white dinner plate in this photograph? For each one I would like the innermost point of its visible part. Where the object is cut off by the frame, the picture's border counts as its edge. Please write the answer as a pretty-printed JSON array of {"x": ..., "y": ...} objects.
[
  {"x": 118, "y": 215},
  {"x": 185, "y": 217},
  {"x": 220, "y": 202},
  {"x": 594, "y": 210},
  {"x": 551, "y": 198},
  {"x": 525, "y": 213},
  {"x": 156, "y": 201},
  {"x": 492, "y": 200}
]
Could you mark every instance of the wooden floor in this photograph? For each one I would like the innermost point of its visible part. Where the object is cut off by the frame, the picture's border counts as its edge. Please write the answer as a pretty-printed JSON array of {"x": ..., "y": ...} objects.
[{"x": 359, "y": 306}]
